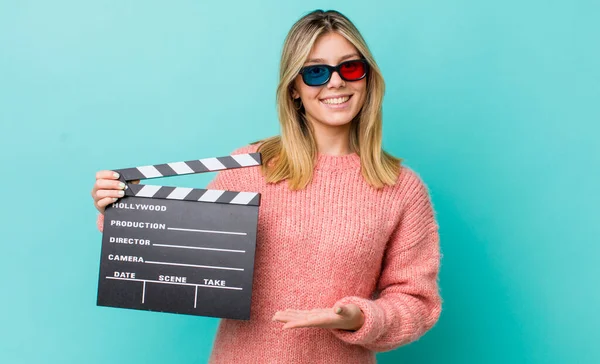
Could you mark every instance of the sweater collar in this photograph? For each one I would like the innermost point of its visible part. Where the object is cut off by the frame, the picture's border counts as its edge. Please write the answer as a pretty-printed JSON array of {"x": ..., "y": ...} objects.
[{"x": 336, "y": 162}]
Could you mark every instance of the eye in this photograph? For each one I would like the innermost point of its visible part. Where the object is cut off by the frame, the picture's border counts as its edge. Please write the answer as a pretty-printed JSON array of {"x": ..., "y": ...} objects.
[
  {"x": 351, "y": 66},
  {"x": 315, "y": 71}
]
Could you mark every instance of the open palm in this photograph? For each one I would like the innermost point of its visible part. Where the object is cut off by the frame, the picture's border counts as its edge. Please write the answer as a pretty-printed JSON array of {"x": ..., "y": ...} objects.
[{"x": 348, "y": 317}]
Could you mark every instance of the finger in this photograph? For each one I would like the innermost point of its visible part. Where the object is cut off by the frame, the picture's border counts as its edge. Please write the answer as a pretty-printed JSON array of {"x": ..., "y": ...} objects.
[
  {"x": 350, "y": 310},
  {"x": 106, "y": 201},
  {"x": 305, "y": 311},
  {"x": 107, "y": 175},
  {"x": 287, "y": 316},
  {"x": 107, "y": 184},
  {"x": 314, "y": 310},
  {"x": 308, "y": 315},
  {"x": 323, "y": 322},
  {"x": 301, "y": 320},
  {"x": 298, "y": 325},
  {"x": 100, "y": 194}
]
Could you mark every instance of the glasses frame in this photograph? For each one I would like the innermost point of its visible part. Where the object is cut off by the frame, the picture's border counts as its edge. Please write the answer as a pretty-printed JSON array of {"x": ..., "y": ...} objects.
[{"x": 332, "y": 69}]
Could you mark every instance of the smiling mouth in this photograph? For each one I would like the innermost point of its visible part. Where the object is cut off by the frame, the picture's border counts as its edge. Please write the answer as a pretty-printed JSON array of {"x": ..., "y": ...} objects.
[{"x": 336, "y": 100}]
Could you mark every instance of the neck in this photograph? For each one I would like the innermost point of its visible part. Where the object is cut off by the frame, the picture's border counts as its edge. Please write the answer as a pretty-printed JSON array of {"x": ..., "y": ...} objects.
[{"x": 332, "y": 140}]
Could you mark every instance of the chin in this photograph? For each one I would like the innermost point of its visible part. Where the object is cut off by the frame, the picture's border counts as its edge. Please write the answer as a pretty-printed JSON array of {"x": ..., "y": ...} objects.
[{"x": 336, "y": 122}]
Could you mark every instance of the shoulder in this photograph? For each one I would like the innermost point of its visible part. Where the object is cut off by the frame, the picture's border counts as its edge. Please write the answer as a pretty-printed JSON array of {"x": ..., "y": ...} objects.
[
  {"x": 249, "y": 148},
  {"x": 245, "y": 175},
  {"x": 408, "y": 175},
  {"x": 411, "y": 186}
]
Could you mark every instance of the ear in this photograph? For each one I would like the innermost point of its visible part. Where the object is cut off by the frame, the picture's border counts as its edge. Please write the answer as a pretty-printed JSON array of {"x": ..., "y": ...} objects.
[{"x": 295, "y": 94}]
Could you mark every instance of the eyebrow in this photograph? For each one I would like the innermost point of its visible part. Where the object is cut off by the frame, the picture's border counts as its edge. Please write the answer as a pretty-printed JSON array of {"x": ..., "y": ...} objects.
[{"x": 321, "y": 60}]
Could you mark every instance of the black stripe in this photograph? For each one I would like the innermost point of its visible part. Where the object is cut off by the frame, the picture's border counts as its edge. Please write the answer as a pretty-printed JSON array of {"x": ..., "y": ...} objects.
[
  {"x": 257, "y": 157},
  {"x": 130, "y": 174},
  {"x": 197, "y": 166},
  {"x": 132, "y": 189},
  {"x": 229, "y": 162},
  {"x": 226, "y": 197},
  {"x": 195, "y": 194},
  {"x": 163, "y": 192},
  {"x": 165, "y": 170},
  {"x": 255, "y": 200}
]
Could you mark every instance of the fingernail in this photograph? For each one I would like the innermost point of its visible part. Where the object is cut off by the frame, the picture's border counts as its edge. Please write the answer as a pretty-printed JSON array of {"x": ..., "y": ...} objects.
[
  {"x": 115, "y": 199},
  {"x": 116, "y": 175},
  {"x": 338, "y": 310},
  {"x": 121, "y": 185},
  {"x": 121, "y": 193}
]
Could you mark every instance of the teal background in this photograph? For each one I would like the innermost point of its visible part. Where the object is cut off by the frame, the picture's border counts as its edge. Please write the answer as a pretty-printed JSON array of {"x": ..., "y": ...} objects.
[{"x": 495, "y": 104}]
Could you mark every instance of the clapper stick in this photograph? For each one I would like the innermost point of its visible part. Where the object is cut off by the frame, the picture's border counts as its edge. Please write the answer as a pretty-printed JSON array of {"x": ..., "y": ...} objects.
[
  {"x": 189, "y": 167},
  {"x": 177, "y": 249}
]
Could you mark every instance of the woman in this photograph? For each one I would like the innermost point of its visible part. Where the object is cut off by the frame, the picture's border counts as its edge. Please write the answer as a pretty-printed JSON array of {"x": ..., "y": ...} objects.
[{"x": 347, "y": 254}]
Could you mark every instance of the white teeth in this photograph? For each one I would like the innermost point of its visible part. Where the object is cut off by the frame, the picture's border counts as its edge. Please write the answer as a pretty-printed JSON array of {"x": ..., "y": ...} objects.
[{"x": 337, "y": 100}]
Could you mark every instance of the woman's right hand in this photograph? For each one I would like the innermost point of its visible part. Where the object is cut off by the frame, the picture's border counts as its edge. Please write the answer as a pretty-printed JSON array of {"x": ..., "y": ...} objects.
[{"x": 107, "y": 189}]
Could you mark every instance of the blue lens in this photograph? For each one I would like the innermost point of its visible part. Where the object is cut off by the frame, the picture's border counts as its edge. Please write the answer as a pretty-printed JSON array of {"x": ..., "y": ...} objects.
[{"x": 315, "y": 75}]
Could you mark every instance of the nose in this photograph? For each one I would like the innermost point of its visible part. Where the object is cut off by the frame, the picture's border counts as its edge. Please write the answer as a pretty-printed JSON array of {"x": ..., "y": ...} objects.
[{"x": 335, "y": 81}]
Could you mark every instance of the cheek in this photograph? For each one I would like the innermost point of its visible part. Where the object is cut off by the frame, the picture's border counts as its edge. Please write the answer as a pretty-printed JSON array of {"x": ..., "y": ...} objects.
[
  {"x": 361, "y": 88},
  {"x": 310, "y": 94},
  {"x": 307, "y": 93}
]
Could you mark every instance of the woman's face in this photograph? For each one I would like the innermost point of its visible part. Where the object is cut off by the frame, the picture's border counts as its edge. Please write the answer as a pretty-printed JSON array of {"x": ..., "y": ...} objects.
[{"x": 337, "y": 102}]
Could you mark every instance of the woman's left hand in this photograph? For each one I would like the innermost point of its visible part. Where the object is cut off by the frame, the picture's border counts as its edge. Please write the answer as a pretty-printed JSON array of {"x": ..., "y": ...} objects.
[{"x": 345, "y": 317}]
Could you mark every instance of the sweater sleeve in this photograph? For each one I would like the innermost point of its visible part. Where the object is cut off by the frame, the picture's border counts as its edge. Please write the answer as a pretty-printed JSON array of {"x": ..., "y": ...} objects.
[
  {"x": 100, "y": 222},
  {"x": 408, "y": 303}
]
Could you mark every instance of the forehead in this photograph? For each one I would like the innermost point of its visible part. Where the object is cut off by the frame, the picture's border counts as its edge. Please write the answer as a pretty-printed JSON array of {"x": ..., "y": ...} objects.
[{"x": 331, "y": 48}]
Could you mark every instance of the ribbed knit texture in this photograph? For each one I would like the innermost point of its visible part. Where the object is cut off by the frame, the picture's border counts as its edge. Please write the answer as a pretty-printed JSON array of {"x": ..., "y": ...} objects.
[{"x": 337, "y": 241}]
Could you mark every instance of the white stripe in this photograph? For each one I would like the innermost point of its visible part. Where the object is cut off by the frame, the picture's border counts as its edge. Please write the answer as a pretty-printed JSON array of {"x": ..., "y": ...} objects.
[
  {"x": 243, "y": 198},
  {"x": 245, "y": 160},
  {"x": 212, "y": 164},
  {"x": 181, "y": 168},
  {"x": 211, "y": 195},
  {"x": 149, "y": 171},
  {"x": 148, "y": 191},
  {"x": 179, "y": 193}
]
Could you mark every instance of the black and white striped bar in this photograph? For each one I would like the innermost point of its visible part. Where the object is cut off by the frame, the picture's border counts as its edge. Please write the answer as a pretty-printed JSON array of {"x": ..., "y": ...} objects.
[
  {"x": 193, "y": 194},
  {"x": 189, "y": 167}
]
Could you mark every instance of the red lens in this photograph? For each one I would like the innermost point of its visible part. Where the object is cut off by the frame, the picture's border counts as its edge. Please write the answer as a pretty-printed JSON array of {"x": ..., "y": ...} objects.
[{"x": 352, "y": 70}]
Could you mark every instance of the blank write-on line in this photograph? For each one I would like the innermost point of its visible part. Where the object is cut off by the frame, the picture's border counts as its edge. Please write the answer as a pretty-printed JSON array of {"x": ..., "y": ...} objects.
[
  {"x": 208, "y": 231},
  {"x": 193, "y": 265},
  {"x": 199, "y": 248}
]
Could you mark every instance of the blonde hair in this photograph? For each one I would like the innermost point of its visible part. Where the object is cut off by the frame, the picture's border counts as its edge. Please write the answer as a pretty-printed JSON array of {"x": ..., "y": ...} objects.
[{"x": 292, "y": 155}]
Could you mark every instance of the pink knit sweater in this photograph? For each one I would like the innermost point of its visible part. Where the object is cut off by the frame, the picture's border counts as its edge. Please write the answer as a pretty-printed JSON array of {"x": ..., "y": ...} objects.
[{"x": 337, "y": 241}]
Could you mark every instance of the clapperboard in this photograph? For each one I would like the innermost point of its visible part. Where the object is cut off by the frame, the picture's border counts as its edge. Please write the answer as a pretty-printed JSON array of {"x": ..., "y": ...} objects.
[{"x": 180, "y": 250}]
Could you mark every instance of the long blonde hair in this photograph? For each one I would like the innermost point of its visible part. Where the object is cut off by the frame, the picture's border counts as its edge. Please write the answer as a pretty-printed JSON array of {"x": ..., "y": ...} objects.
[{"x": 292, "y": 154}]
